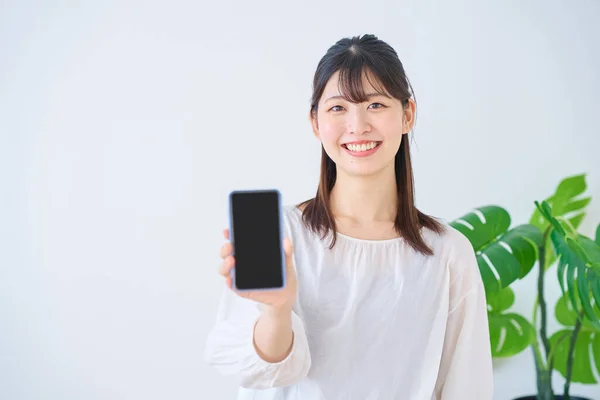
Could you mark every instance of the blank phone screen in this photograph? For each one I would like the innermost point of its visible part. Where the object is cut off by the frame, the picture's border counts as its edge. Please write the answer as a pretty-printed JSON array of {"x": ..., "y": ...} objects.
[{"x": 256, "y": 239}]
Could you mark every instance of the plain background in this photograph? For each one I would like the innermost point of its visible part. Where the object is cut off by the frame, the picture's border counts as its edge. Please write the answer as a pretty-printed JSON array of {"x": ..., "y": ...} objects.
[{"x": 124, "y": 125}]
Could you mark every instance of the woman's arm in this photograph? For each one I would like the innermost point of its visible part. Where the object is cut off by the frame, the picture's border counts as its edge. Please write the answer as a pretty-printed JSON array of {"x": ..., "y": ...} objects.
[
  {"x": 466, "y": 366},
  {"x": 273, "y": 334},
  {"x": 266, "y": 348}
]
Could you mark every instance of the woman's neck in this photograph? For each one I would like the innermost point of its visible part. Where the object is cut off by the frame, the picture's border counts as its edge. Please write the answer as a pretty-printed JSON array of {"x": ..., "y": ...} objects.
[{"x": 365, "y": 199}]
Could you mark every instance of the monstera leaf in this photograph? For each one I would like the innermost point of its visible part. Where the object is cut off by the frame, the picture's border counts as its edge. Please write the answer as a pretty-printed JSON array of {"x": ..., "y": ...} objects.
[
  {"x": 567, "y": 203},
  {"x": 510, "y": 333},
  {"x": 578, "y": 266},
  {"x": 587, "y": 345},
  {"x": 503, "y": 255}
]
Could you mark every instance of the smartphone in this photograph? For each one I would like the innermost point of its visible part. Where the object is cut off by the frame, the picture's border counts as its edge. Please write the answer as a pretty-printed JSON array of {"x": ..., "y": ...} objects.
[{"x": 256, "y": 233}]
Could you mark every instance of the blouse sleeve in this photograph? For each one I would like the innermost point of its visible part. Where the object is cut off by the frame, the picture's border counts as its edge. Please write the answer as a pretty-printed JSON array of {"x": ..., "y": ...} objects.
[
  {"x": 466, "y": 366},
  {"x": 230, "y": 347}
]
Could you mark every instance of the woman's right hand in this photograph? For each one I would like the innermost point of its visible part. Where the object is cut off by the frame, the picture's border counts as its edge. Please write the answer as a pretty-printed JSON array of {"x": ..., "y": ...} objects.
[{"x": 276, "y": 300}]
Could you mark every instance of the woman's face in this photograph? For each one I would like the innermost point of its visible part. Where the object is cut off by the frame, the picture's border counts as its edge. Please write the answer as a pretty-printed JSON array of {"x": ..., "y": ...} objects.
[{"x": 361, "y": 138}]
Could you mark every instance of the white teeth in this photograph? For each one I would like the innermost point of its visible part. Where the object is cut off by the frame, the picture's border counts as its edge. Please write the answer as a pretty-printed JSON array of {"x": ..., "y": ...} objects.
[{"x": 361, "y": 147}]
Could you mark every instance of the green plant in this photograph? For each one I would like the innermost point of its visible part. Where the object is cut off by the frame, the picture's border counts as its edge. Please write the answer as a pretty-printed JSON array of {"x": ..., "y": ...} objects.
[
  {"x": 578, "y": 310},
  {"x": 505, "y": 255}
]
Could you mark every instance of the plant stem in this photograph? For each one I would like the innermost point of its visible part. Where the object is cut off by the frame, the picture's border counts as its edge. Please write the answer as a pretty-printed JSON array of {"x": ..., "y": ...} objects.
[
  {"x": 542, "y": 300},
  {"x": 536, "y": 304},
  {"x": 544, "y": 385},
  {"x": 544, "y": 373},
  {"x": 570, "y": 356},
  {"x": 541, "y": 374},
  {"x": 540, "y": 365}
]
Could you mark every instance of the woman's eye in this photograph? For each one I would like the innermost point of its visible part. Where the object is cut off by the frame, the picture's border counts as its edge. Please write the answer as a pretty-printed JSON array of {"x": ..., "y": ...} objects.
[
  {"x": 376, "y": 105},
  {"x": 336, "y": 108}
]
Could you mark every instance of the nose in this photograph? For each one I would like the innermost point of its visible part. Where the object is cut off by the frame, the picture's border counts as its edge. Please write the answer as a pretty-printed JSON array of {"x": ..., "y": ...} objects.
[{"x": 358, "y": 122}]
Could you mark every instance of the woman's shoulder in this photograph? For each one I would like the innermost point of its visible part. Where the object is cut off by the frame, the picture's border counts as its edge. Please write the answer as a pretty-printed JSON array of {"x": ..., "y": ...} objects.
[
  {"x": 450, "y": 244},
  {"x": 297, "y": 230},
  {"x": 292, "y": 216},
  {"x": 455, "y": 252},
  {"x": 291, "y": 211}
]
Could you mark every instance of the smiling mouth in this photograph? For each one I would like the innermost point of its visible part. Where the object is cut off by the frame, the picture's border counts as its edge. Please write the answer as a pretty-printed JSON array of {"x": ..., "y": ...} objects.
[{"x": 362, "y": 147}]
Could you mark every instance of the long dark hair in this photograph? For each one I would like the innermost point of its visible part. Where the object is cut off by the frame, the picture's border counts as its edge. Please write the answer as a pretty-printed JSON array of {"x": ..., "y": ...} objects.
[{"x": 355, "y": 58}]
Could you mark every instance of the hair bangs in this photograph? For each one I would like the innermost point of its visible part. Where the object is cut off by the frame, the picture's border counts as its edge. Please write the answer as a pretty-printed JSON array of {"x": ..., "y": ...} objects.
[{"x": 352, "y": 75}]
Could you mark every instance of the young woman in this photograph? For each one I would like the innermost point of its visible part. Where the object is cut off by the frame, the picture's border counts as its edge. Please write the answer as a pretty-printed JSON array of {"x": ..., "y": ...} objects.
[{"x": 382, "y": 301}]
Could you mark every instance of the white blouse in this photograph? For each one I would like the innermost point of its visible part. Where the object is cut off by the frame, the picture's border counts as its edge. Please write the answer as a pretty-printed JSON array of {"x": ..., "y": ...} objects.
[{"x": 373, "y": 320}]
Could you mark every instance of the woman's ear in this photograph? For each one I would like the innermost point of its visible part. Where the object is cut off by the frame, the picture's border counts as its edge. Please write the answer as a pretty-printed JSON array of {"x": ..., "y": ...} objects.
[
  {"x": 312, "y": 117},
  {"x": 409, "y": 116}
]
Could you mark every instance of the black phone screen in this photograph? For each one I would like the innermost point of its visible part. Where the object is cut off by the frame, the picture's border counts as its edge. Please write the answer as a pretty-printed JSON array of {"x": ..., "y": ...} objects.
[{"x": 256, "y": 239}]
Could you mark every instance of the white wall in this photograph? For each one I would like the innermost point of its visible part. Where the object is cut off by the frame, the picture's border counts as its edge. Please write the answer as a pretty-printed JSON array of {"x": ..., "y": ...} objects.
[{"x": 124, "y": 125}]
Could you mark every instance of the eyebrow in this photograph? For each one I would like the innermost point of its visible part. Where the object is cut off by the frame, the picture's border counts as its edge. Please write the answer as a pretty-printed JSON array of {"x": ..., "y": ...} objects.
[{"x": 368, "y": 95}]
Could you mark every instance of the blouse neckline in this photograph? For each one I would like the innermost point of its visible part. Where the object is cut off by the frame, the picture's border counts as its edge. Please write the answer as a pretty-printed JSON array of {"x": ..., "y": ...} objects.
[{"x": 355, "y": 239}]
